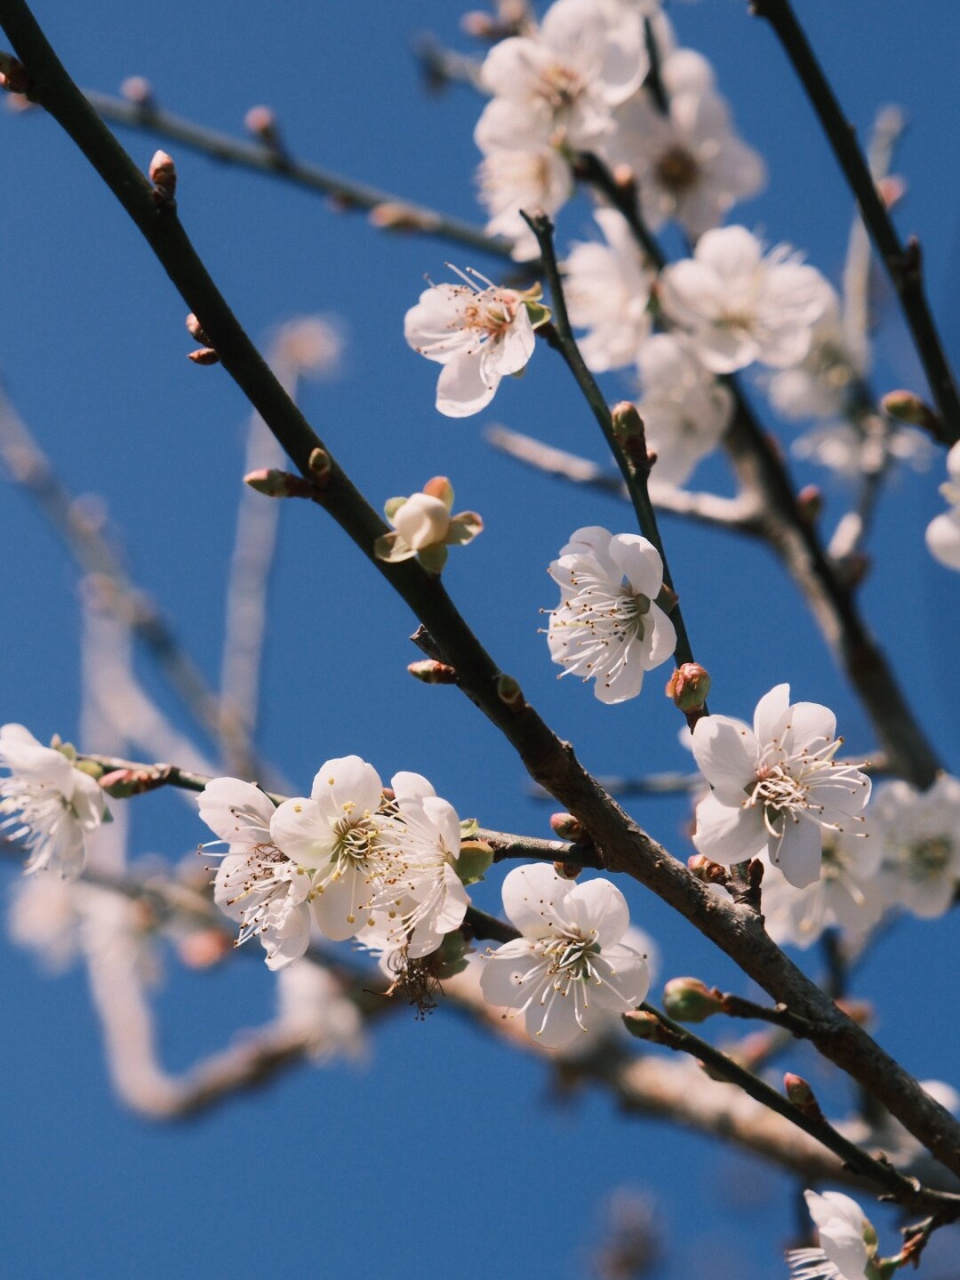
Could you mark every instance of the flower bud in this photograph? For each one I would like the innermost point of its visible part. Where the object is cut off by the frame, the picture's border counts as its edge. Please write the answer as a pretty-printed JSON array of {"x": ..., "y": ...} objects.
[
  {"x": 689, "y": 686},
  {"x": 195, "y": 330},
  {"x": 422, "y": 521},
  {"x": 802, "y": 1096},
  {"x": 905, "y": 406},
  {"x": 319, "y": 464},
  {"x": 274, "y": 483},
  {"x": 203, "y": 355},
  {"x": 510, "y": 693},
  {"x": 13, "y": 74},
  {"x": 566, "y": 826},
  {"x": 262, "y": 123},
  {"x": 706, "y": 871},
  {"x": 643, "y": 1026},
  {"x": 394, "y": 215},
  {"x": 203, "y": 948},
  {"x": 139, "y": 91},
  {"x": 690, "y": 1000},
  {"x": 627, "y": 423},
  {"x": 810, "y": 502},
  {"x": 163, "y": 175},
  {"x": 429, "y": 671},
  {"x": 567, "y": 870}
]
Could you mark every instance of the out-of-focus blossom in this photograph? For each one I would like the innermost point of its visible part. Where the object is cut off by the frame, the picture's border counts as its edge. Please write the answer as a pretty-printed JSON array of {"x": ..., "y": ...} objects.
[
  {"x": 848, "y": 1241},
  {"x": 740, "y": 306},
  {"x": 819, "y": 386},
  {"x": 607, "y": 627},
  {"x": 685, "y": 410},
  {"x": 943, "y": 532},
  {"x": 689, "y": 164},
  {"x": 917, "y": 839},
  {"x": 311, "y": 1004},
  {"x": 607, "y": 289},
  {"x": 847, "y": 896}
]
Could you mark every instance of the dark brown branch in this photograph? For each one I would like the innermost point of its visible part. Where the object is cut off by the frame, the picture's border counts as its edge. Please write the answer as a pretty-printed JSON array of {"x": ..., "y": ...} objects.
[
  {"x": 902, "y": 262},
  {"x": 624, "y": 846}
]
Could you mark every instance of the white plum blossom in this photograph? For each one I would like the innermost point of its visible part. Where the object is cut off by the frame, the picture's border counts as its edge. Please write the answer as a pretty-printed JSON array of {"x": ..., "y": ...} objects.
[
  {"x": 423, "y": 899},
  {"x": 424, "y": 527},
  {"x": 848, "y": 1241},
  {"x": 685, "y": 410},
  {"x": 607, "y": 289},
  {"x": 776, "y": 787},
  {"x": 844, "y": 449},
  {"x": 917, "y": 834},
  {"x": 848, "y": 896},
  {"x": 558, "y": 84},
  {"x": 257, "y": 884},
  {"x": 689, "y": 164},
  {"x": 570, "y": 967},
  {"x": 311, "y": 1005},
  {"x": 819, "y": 386},
  {"x": 511, "y": 178},
  {"x": 47, "y": 802},
  {"x": 607, "y": 627},
  {"x": 343, "y": 837},
  {"x": 943, "y": 532},
  {"x": 739, "y": 306},
  {"x": 479, "y": 335}
]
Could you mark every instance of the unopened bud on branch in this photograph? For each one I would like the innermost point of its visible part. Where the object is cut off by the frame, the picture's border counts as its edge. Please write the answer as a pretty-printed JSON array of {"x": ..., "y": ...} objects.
[
  {"x": 510, "y": 693},
  {"x": 810, "y": 502},
  {"x": 430, "y": 671},
  {"x": 139, "y": 91},
  {"x": 567, "y": 870},
  {"x": 195, "y": 329},
  {"x": 262, "y": 123},
  {"x": 13, "y": 74},
  {"x": 689, "y": 686},
  {"x": 690, "y": 1000},
  {"x": 203, "y": 355},
  {"x": 566, "y": 826},
  {"x": 278, "y": 484},
  {"x": 706, "y": 871},
  {"x": 393, "y": 215},
  {"x": 643, "y": 1026},
  {"x": 905, "y": 406},
  {"x": 163, "y": 175},
  {"x": 802, "y": 1096},
  {"x": 319, "y": 464}
]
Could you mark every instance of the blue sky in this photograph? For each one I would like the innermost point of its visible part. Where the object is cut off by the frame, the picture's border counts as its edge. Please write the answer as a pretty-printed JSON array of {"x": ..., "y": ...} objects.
[{"x": 443, "y": 1152}]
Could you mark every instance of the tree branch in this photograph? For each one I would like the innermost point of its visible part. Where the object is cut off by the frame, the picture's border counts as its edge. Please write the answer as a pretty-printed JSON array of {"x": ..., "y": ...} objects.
[
  {"x": 624, "y": 846},
  {"x": 902, "y": 263}
]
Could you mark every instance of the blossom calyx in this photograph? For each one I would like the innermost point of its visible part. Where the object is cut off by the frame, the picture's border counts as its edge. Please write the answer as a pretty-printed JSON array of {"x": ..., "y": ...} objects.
[
  {"x": 424, "y": 527},
  {"x": 689, "y": 686},
  {"x": 690, "y": 1000},
  {"x": 474, "y": 861}
]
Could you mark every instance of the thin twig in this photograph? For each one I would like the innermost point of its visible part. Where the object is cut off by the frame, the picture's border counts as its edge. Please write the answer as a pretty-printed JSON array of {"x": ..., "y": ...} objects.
[
  {"x": 903, "y": 264},
  {"x": 635, "y": 473},
  {"x": 395, "y": 211},
  {"x": 739, "y": 515},
  {"x": 625, "y": 847}
]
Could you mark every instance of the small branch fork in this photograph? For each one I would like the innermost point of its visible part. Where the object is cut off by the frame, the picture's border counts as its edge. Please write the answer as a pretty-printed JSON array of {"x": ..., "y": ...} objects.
[
  {"x": 623, "y": 845},
  {"x": 902, "y": 263}
]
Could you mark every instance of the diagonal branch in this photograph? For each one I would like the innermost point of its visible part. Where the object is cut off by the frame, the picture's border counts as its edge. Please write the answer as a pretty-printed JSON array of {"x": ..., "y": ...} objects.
[
  {"x": 625, "y": 847},
  {"x": 903, "y": 264}
]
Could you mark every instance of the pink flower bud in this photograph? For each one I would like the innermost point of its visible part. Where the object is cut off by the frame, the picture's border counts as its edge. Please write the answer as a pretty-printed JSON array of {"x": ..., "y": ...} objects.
[
  {"x": 689, "y": 686},
  {"x": 163, "y": 175}
]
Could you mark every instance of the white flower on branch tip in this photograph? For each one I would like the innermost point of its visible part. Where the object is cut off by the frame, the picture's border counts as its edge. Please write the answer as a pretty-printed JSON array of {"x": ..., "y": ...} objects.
[
  {"x": 343, "y": 836},
  {"x": 685, "y": 410},
  {"x": 607, "y": 289},
  {"x": 47, "y": 802},
  {"x": 943, "y": 532},
  {"x": 688, "y": 163},
  {"x": 776, "y": 787},
  {"x": 423, "y": 898},
  {"x": 739, "y": 306},
  {"x": 479, "y": 335},
  {"x": 917, "y": 836},
  {"x": 848, "y": 1241},
  {"x": 257, "y": 884},
  {"x": 424, "y": 527},
  {"x": 607, "y": 627},
  {"x": 570, "y": 967},
  {"x": 558, "y": 84}
]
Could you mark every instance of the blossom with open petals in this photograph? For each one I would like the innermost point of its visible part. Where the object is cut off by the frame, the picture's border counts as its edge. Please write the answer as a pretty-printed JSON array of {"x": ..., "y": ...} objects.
[
  {"x": 607, "y": 289},
  {"x": 848, "y": 1241},
  {"x": 848, "y": 896},
  {"x": 423, "y": 898},
  {"x": 607, "y": 627},
  {"x": 47, "y": 802},
  {"x": 342, "y": 835},
  {"x": 739, "y": 306},
  {"x": 685, "y": 410},
  {"x": 776, "y": 787},
  {"x": 689, "y": 164},
  {"x": 479, "y": 335},
  {"x": 570, "y": 967},
  {"x": 257, "y": 884},
  {"x": 917, "y": 839},
  {"x": 943, "y": 532}
]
